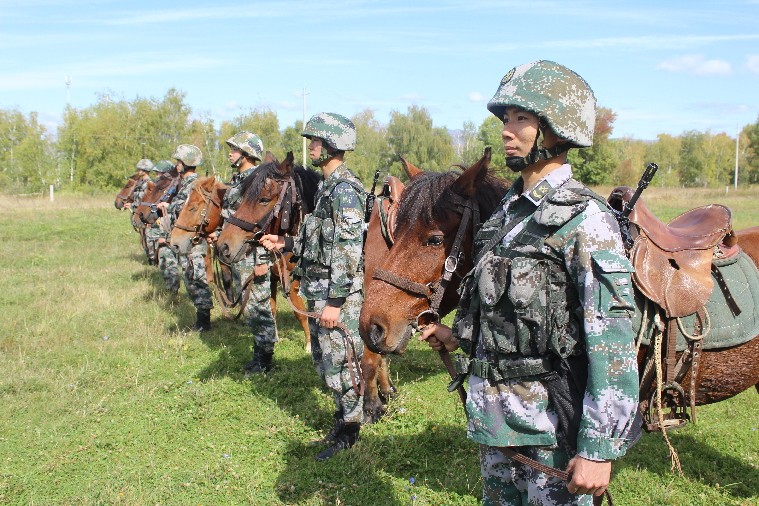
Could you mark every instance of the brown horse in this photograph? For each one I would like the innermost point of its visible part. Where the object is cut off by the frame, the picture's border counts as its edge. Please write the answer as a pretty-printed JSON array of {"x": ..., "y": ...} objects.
[
  {"x": 200, "y": 215},
  {"x": 162, "y": 189},
  {"x": 389, "y": 310},
  {"x": 432, "y": 208},
  {"x": 125, "y": 196},
  {"x": 379, "y": 238},
  {"x": 273, "y": 198}
]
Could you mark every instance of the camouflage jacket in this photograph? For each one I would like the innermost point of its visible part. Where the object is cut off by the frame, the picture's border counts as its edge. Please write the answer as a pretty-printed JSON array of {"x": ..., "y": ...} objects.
[
  {"x": 330, "y": 239},
  {"x": 535, "y": 297},
  {"x": 139, "y": 191},
  {"x": 233, "y": 195},
  {"x": 183, "y": 193}
]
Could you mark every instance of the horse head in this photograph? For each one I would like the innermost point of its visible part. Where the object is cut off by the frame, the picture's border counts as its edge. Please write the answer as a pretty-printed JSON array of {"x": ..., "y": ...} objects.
[
  {"x": 200, "y": 215},
  {"x": 161, "y": 190},
  {"x": 418, "y": 279},
  {"x": 125, "y": 196},
  {"x": 272, "y": 199}
]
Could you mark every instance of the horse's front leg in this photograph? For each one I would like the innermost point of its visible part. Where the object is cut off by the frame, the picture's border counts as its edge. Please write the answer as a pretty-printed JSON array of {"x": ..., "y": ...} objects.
[
  {"x": 374, "y": 371},
  {"x": 298, "y": 303}
]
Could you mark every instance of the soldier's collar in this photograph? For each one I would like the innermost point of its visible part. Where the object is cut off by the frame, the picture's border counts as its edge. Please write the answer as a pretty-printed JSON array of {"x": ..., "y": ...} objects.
[{"x": 554, "y": 179}]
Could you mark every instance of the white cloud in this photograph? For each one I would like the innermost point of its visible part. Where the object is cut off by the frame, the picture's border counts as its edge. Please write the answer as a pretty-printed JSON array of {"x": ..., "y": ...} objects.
[
  {"x": 697, "y": 65},
  {"x": 476, "y": 96},
  {"x": 752, "y": 63}
]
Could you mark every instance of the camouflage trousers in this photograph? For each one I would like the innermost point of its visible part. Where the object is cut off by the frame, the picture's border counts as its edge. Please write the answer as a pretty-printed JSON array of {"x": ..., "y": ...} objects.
[
  {"x": 258, "y": 313},
  {"x": 509, "y": 483},
  {"x": 168, "y": 265},
  {"x": 195, "y": 277},
  {"x": 328, "y": 351},
  {"x": 152, "y": 233}
]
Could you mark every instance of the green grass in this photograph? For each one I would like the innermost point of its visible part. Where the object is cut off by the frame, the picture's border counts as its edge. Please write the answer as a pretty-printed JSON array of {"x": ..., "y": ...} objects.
[{"x": 108, "y": 399}]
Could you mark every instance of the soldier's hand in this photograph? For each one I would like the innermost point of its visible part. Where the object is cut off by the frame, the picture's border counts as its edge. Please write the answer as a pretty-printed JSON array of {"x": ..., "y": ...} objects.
[
  {"x": 329, "y": 317},
  {"x": 212, "y": 238},
  {"x": 588, "y": 476},
  {"x": 439, "y": 337},
  {"x": 272, "y": 242}
]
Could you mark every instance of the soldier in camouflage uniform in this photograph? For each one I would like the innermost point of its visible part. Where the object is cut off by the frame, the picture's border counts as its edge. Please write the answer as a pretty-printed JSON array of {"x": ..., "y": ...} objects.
[
  {"x": 330, "y": 268},
  {"x": 153, "y": 231},
  {"x": 545, "y": 315},
  {"x": 245, "y": 153},
  {"x": 144, "y": 167},
  {"x": 194, "y": 263}
]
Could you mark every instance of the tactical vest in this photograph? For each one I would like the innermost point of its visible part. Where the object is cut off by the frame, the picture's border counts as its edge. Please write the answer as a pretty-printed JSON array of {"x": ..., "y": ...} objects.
[
  {"x": 519, "y": 300},
  {"x": 317, "y": 232}
]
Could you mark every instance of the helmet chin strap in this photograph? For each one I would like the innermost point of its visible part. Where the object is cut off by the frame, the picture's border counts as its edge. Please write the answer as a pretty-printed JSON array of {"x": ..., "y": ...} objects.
[
  {"x": 236, "y": 164},
  {"x": 537, "y": 153},
  {"x": 323, "y": 157}
]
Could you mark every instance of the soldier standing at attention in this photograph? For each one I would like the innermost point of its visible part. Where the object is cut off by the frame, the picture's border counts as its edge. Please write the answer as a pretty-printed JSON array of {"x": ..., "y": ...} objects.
[
  {"x": 143, "y": 167},
  {"x": 545, "y": 315},
  {"x": 330, "y": 268},
  {"x": 245, "y": 153},
  {"x": 153, "y": 232},
  {"x": 194, "y": 264}
]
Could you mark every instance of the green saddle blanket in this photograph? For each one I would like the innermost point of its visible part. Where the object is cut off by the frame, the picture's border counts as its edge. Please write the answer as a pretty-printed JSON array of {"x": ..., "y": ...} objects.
[{"x": 725, "y": 329}]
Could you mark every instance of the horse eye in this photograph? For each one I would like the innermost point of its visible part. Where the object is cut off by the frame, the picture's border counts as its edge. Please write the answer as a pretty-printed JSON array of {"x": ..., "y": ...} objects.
[
  {"x": 264, "y": 200},
  {"x": 435, "y": 240}
]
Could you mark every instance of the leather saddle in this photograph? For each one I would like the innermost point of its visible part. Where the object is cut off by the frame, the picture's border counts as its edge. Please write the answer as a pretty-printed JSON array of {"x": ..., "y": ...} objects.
[{"x": 673, "y": 261}]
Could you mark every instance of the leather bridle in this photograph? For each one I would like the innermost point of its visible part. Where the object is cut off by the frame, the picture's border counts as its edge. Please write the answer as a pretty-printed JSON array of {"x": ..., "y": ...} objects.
[
  {"x": 286, "y": 203},
  {"x": 199, "y": 227},
  {"x": 435, "y": 290}
]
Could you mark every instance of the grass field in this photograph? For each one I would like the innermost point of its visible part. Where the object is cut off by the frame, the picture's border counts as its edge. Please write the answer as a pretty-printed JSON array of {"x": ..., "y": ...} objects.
[{"x": 108, "y": 398}]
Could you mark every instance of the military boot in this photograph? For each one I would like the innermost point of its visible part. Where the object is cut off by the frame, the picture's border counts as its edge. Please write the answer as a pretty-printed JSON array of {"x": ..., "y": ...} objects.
[
  {"x": 203, "y": 319},
  {"x": 337, "y": 428},
  {"x": 262, "y": 362},
  {"x": 345, "y": 439}
]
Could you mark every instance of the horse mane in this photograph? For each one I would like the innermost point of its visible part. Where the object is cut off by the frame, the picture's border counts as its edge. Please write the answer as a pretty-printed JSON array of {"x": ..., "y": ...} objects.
[
  {"x": 421, "y": 200},
  {"x": 306, "y": 181},
  {"x": 160, "y": 185}
]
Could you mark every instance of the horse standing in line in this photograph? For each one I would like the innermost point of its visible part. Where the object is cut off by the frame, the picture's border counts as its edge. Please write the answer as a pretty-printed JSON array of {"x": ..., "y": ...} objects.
[
  {"x": 262, "y": 194},
  {"x": 126, "y": 195},
  {"x": 425, "y": 232}
]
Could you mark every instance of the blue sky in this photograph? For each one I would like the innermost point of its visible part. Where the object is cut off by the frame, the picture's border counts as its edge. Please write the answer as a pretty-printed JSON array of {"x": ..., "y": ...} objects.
[{"x": 662, "y": 66}]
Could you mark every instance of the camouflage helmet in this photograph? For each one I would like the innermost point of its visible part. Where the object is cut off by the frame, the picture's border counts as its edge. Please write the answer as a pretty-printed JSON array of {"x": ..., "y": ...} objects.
[
  {"x": 188, "y": 154},
  {"x": 337, "y": 132},
  {"x": 164, "y": 166},
  {"x": 554, "y": 93},
  {"x": 145, "y": 165},
  {"x": 250, "y": 144}
]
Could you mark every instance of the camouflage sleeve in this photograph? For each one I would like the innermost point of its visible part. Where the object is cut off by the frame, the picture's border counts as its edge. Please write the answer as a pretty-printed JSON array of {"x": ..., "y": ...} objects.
[
  {"x": 347, "y": 246},
  {"x": 601, "y": 272}
]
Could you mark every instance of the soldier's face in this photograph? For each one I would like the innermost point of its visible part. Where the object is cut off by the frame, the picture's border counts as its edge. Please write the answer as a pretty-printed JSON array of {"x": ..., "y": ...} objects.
[
  {"x": 519, "y": 131},
  {"x": 315, "y": 148},
  {"x": 234, "y": 155}
]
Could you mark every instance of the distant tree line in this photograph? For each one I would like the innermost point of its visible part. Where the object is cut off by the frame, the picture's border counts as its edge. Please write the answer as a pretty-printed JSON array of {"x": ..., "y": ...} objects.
[{"x": 96, "y": 148}]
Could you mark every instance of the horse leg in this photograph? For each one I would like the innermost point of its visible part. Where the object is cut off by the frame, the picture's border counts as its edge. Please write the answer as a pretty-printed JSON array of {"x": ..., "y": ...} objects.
[
  {"x": 297, "y": 301},
  {"x": 371, "y": 364},
  {"x": 386, "y": 388}
]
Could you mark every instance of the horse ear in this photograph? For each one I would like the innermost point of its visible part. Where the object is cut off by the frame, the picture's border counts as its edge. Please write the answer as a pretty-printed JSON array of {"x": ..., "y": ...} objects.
[
  {"x": 467, "y": 182},
  {"x": 410, "y": 169},
  {"x": 269, "y": 157},
  {"x": 286, "y": 167}
]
